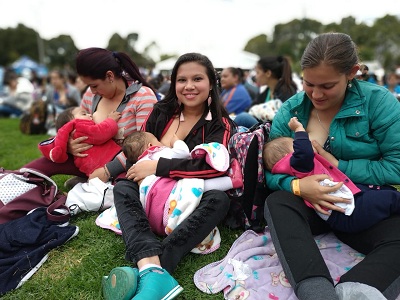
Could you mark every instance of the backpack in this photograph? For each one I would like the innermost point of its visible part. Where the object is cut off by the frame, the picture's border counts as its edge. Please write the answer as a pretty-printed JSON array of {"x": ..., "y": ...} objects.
[
  {"x": 247, "y": 204},
  {"x": 34, "y": 121},
  {"x": 26, "y": 189}
]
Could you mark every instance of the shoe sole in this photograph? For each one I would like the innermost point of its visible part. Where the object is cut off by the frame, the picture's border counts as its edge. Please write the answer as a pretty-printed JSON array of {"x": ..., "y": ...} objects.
[
  {"x": 120, "y": 284},
  {"x": 173, "y": 293}
]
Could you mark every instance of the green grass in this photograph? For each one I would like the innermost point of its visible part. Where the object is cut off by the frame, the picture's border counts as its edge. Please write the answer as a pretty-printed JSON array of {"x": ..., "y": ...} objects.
[{"x": 74, "y": 270}]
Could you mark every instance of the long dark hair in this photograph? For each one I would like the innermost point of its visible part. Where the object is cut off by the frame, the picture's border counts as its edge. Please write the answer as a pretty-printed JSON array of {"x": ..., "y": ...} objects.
[
  {"x": 170, "y": 104},
  {"x": 280, "y": 69},
  {"x": 95, "y": 62}
]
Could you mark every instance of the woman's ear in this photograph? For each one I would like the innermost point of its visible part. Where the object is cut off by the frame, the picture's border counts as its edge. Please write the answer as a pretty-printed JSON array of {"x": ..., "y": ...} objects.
[
  {"x": 353, "y": 72},
  {"x": 110, "y": 76}
]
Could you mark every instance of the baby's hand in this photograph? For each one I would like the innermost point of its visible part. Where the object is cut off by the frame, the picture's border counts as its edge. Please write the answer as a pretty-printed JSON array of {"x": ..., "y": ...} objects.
[
  {"x": 295, "y": 125},
  {"x": 115, "y": 115},
  {"x": 325, "y": 154}
]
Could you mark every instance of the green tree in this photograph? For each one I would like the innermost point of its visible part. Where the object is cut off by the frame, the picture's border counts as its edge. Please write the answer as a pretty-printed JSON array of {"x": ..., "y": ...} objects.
[
  {"x": 60, "y": 52},
  {"x": 118, "y": 43},
  {"x": 16, "y": 42},
  {"x": 385, "y": 43},
  {"x": 258, "y": 45}
]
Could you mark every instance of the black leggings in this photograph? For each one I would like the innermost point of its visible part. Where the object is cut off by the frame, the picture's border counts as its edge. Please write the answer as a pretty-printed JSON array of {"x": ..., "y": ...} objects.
[
  {"x": 141, "y": 242},
  {"x": 293, "y": 226}
]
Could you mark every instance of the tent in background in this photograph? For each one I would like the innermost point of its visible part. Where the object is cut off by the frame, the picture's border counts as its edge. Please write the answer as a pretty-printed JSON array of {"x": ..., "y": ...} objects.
[
  {"x": 25, "y": 63},
  {"x": 242, "y": 59}
]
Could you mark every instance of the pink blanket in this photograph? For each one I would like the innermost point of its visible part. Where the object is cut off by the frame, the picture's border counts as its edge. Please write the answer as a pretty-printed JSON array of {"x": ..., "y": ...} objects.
[{"x": 251, "y": 269}]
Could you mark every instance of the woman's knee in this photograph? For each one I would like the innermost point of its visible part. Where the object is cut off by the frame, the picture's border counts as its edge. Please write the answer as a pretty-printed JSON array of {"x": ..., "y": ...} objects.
[
  {"x": 218, "y": 200},
  {"x": 278, "y": 198}
]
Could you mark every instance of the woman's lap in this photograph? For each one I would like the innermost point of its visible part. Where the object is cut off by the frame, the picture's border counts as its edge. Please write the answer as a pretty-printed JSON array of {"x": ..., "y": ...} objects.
[
  {"x": 294, "y": 225},
  {"x": 51, "y": 168},
  {"x": 141, "y": 242}
]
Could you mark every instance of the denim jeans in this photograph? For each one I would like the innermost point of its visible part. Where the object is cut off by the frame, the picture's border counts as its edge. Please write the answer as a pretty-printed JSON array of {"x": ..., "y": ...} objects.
[
  {"x": 245, "y": 119},
  {"x": 141, "y": 242}
]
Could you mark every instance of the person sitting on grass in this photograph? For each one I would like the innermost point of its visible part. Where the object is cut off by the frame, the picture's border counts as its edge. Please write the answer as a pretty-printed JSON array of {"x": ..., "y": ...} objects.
[
  {"x": 368, "y": 204},
  {"x": 193, "y": 111}
]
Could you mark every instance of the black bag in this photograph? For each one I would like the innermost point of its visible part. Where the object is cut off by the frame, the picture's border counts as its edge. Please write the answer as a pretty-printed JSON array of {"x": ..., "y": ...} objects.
[
  {"x": 34, "y": 121},
  {"x": 247, "y": 204}
]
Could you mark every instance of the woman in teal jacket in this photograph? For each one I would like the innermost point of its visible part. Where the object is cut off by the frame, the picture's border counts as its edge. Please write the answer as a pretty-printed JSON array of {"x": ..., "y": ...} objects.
[{"x": 359, "y": 123}]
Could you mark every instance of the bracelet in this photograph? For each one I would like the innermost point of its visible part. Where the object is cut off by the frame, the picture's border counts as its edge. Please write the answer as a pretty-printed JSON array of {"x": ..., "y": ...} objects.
[
  {"x": 296, "y": 187},
  {"x": 106, "y": 172}
]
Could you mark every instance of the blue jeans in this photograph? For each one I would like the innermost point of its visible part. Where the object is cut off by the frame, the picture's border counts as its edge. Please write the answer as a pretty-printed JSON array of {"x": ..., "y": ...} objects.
[
  {"x": 245, "y": 119},
  {"x": 141, "y": 242},
  {"x": 7, "y": 110}
]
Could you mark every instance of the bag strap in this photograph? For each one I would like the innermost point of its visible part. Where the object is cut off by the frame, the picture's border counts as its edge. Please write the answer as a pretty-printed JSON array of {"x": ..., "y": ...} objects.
[
  {"x": 58, "y": 211},
  {"x": 229, "y": 98}
]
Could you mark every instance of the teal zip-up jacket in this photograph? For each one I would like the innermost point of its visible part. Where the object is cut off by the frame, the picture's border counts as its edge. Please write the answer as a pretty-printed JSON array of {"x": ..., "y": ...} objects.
[{"x": 364, "y": 135}]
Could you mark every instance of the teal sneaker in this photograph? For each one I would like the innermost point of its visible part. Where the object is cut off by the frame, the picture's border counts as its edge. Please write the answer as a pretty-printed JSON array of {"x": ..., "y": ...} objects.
[
  {"x": 120, "y": 284},
  {"x": 157, "y": 284}
]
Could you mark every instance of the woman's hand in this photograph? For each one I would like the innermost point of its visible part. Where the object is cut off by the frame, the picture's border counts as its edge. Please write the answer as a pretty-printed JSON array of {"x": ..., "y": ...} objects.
[
  {"x": 76, "y": 146},
  {"x": 141, "y": 170},
  {"x": 101, "y": 173},
  {"x": 325, "y": 154},
  {"x": 318, "y": 195}
]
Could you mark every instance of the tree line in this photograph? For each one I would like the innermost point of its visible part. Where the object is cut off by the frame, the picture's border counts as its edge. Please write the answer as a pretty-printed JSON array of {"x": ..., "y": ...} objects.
[{"x": 379, "y": 41}]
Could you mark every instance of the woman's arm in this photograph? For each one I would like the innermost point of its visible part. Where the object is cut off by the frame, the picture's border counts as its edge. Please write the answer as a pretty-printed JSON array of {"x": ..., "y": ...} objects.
[
  {"x": 377, "y": 133},
  {"x": 310, "y": 188},
  {"x": 197, "y": 168},
  {"x": 207, "y": 132},
  {"x": 279, "y": 128}
]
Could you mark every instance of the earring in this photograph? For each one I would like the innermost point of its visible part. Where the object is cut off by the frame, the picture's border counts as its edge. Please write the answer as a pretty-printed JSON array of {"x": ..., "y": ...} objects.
[
  {"x": 209, "y": 116},
  {"x": 349, "y": 85},
  {"x": 181, "y": 116}
]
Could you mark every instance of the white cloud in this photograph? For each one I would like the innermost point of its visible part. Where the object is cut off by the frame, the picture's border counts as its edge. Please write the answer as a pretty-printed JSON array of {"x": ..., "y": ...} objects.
[{"x": 178, "y": 26}]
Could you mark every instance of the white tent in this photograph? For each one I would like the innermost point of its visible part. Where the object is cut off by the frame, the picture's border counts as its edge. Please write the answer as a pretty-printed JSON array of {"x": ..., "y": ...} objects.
[{"x": 243, "y": 59}]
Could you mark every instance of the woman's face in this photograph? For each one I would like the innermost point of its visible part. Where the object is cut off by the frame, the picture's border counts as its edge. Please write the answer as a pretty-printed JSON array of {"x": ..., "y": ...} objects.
[
  {"x": 103, "y": 88},
  {"x": 192, "y": 85},
  {"x": 56, "y": 80},
  {"x": 325, "y": 86},
  {"x": 261, "y": 76},
  {"x": 227, "y": 79}
]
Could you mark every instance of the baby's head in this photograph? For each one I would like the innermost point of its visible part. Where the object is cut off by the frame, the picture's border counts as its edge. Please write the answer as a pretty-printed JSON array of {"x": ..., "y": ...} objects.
[
  {"x": 136, "y": 143},
  {"x": 71, "y": 113},
  {"x": 275, "y": 150}
]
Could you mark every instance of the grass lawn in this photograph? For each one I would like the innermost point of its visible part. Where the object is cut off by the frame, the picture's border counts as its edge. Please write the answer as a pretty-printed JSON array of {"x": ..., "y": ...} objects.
[{"x": 74, "y": 270}]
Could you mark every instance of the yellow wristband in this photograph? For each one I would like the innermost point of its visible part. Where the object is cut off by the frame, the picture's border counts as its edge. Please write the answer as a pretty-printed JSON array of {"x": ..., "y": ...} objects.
[{"x": 296, "y": 187}]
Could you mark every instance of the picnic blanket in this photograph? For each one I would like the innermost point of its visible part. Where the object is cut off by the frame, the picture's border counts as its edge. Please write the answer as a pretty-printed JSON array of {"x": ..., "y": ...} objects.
[{"x": 251, "y": 269}]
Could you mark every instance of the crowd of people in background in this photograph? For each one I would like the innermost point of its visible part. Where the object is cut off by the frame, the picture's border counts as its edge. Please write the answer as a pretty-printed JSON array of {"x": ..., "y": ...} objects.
[
  {"x": 239, "y": 89},
  {"x": 351, "y": 119}
]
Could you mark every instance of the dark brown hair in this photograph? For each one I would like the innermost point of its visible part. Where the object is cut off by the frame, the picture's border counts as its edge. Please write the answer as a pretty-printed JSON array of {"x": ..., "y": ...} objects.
[
  {"x": 134, "y": 145},
  {"x": 64, "y": 117},
  {"x": 334, "y": 49},
  {"x": 95, "y": 62}
]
